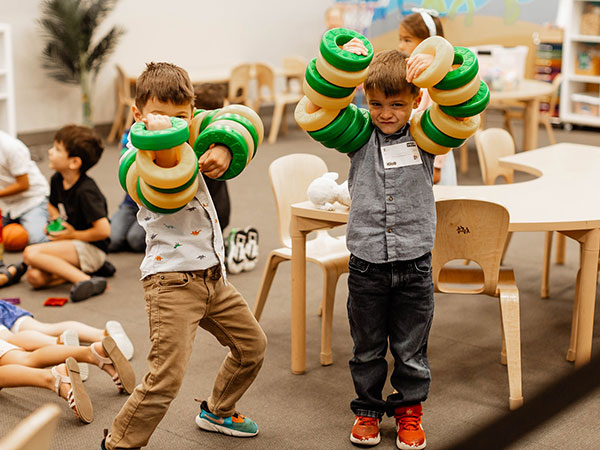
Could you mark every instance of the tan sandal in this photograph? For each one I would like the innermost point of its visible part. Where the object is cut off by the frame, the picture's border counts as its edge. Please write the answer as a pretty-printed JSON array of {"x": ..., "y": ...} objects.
[
  {"x": 124, "y": 377},
  {"x": 77, "y": 397}
]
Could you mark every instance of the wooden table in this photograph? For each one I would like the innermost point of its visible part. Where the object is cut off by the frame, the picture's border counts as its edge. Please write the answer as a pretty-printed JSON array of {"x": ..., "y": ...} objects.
[
  {"x": 529, "y": 92},
  {"x": 562, "y": 199}
]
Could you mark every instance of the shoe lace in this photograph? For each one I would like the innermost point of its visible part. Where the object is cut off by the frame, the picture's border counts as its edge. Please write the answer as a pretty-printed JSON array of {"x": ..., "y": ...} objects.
[
  {"x": 409, "y": 421},
  {"x": 368, "y": 421}
]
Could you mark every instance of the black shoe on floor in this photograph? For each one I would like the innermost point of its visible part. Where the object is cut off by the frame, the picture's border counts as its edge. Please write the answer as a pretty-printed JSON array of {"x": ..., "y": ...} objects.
[
  {"x": 107, "y": 270},
  {"x": 87, "y": 288}
]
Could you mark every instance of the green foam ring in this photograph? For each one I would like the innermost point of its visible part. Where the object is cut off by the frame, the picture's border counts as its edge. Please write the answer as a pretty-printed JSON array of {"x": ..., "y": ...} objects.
[
  {"x": 469, "y": 66},
  {"x": 330, "y": 45},
  {"x": 150, "y": 206},
  {"x": 471, "y": 107},
  {"x": 227, "y": 136},
  {"x": 349, "y": 132},
  {"x": 55, "y": 225},
  {"x": 207, "y": 119},
  {"x": 127, "y": 160},
  {"x": 337, "y": 126},
  {"x": 144, "y": 139},
  {"x": 321, "y": 85},
  {"x": 362, "y": 137},
  {"x": 198, "y": 111},
  {"x": 243, "y": 121},
  {"x": 178, "y": 188},
  {"x": 436, "y": 135}
]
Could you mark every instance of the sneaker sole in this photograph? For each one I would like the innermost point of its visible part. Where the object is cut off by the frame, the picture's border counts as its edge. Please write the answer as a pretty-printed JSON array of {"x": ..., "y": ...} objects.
[
  {"x": 71, "y": 338},
  {"x": 403, "y": 446},
  {"x": 371, "y": 441},
  {"x": 207, "y": 425},
  {"x": 117, "y": 332}
]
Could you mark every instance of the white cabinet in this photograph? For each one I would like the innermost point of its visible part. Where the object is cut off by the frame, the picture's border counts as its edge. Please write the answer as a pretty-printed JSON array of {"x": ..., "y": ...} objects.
[
  {"x": 7, "y": 91},
  {"x": 580, "y": 91}
]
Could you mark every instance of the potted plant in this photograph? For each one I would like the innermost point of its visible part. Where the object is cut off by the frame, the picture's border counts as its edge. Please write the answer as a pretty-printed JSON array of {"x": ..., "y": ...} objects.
[{"x": 72, "y": 53}]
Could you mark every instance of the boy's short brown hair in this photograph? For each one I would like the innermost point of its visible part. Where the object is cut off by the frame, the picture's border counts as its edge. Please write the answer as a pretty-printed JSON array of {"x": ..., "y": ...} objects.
[
  {"x": 166, "y": 82},
  {"x": 81, "y": 142},
  {"x": 387, "y": 73}
]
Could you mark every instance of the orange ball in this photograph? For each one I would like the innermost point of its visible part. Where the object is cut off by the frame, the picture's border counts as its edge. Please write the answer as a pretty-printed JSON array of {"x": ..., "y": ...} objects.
[{"x": 15, "y": 237}]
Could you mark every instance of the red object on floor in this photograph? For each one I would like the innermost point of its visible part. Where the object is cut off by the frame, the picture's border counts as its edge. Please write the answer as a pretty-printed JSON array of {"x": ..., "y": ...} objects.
[{"x": 55, "y": 301}]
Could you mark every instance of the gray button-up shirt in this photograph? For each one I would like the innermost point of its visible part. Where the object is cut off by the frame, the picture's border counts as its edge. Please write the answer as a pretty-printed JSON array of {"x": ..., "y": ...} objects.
[{"x": 392, "y": 214}]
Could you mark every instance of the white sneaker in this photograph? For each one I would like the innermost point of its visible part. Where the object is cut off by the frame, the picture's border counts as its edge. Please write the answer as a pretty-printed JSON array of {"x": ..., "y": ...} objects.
[
  {"x": 251, "y": 249},
  {"x": 236, "y": 250},
  {"x": 115, "y": 330},
  {"x": 71, "y": 338}
]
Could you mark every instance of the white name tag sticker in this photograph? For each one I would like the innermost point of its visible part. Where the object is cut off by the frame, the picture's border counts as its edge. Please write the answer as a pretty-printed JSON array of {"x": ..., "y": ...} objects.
[{"x": 401, "y": 155}]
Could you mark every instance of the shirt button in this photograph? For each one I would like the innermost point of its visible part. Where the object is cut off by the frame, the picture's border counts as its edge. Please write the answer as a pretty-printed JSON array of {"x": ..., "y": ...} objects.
[
  {"x": 390, "y": 198},
  {"x": 389, "y": 230},
  {"x": 162, "y": 277}
]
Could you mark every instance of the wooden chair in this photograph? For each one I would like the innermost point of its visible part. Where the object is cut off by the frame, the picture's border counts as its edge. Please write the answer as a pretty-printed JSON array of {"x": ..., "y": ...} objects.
[
  {"x": 35, "y": 432},
  {"x": 517, "y": 111},
  {"x": 125, "y": 100},
  {"x": 265, "y": 77},
  {"x": 290, "y": 176},
  {"x": 239, "y": 84},
  {"x": 492, "y": 144},
  {"x": 477, "y": 230},
  {"x": 294, "y": 68}
]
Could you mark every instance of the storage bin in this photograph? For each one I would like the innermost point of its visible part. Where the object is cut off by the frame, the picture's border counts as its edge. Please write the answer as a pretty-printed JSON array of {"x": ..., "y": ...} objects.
[
  {"x": 586, "y": 104},
  {"x": 590, "y": 21},
  {"x": 587, "y": 60},
  {"x": 502, "y": 68}
]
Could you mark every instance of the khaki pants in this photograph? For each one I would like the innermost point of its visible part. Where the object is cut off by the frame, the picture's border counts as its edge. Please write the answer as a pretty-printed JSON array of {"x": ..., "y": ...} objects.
[{"x": 177, "y": 303}]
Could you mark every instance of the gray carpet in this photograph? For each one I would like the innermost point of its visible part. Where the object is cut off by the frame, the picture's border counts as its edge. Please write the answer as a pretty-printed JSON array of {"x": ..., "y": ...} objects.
[{"x": 311, "y": 411}]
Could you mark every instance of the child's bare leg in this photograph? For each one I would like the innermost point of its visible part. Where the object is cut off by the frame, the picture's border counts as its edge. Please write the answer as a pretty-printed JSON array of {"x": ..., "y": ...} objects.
[
  {"x": 14, "y": 375},
  {"x": 58, "y": 258},
  {"x": 30, "y": 340},
  {"x": 47, "y": 356},
  {"x": 85, "y": 332}
]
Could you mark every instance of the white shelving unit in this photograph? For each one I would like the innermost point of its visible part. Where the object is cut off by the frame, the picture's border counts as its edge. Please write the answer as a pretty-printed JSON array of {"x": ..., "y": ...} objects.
[{"x": 577, "y": 87}]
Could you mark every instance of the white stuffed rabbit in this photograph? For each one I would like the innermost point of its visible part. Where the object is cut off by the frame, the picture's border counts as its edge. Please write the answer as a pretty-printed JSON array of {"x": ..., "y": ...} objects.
[{"x": 323, "y": 192}]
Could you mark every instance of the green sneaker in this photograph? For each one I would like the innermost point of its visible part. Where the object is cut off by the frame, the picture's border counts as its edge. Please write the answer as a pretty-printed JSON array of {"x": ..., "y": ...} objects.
[{"x": 236, "y": 425}]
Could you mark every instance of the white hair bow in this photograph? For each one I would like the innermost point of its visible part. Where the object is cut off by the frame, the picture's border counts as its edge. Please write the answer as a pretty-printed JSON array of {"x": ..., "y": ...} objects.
[{"x": 427, "y": 15}]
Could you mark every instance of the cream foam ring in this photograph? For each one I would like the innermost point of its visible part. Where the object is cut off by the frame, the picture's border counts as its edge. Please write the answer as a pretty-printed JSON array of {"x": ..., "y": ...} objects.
[
  {"x": 443, "y": 55},
  {"x": 422, "y": 140},
  {"x": 167, "y": 177},
  {"x": 455, "y": 96},
  {"x": 460, "y": 129},
  {"x": 315, "y": 120},
  {"x": 340, "y": 77},
  {"x": 326, "y": 102}
]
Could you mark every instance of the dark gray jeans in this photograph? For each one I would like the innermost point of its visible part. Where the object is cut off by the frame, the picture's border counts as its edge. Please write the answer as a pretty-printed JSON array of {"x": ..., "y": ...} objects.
[{"x": 389, "y": 302}]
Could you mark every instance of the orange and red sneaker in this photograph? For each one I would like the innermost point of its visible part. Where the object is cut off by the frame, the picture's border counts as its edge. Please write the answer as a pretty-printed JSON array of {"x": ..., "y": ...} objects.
[
  {"x": 408, "y": 426},
  {"x": 365, "y": 431}
]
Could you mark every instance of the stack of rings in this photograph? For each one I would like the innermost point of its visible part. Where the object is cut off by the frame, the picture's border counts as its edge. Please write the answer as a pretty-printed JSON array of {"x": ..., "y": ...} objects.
[
  {"x": 330, "y": 83},
  {"x": 459, "y": 97},
  {"x": 163, "y": 190},
  {"x": 166, "y": 190},
  {"x": 237, "y": 127}
]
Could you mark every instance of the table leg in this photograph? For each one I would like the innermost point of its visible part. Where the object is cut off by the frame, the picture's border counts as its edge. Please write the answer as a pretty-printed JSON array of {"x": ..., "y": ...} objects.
[
  {"x": 298, "y": 297},
  {"x": 586, "y": 292},
  {"x": 530, "y": 124}
]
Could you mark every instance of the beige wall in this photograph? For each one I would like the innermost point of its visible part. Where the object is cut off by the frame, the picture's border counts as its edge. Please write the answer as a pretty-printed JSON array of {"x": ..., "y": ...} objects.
[{"x": 190, "y": 33}]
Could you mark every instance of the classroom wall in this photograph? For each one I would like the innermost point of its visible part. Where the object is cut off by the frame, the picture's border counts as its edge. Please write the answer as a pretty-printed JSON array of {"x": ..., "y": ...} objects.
[{"x": 186, "y": 32}]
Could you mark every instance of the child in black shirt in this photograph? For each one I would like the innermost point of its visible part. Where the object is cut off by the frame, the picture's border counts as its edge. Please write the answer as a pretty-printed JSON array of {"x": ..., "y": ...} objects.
[{"x": 79, "y": 243}]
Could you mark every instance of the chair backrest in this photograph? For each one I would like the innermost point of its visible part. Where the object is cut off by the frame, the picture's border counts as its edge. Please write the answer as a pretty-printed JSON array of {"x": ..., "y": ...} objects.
[
  {"x": 555, "y": 91},
  {"x": 265, "y": 80},
  {"x": 290, "y": 176},
  {"x": 475, "y": 230},
  {"x": 238, "y": 83},
  {"x": 124, "y": 92},
  {"x": 492, "y": 144},
  {"x": 35, "y": 432}
]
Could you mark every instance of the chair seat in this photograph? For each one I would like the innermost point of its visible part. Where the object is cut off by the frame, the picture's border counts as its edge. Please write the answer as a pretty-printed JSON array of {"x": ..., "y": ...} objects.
[
  {"x": 465, "y": 279},
  {"x": 320, "y": 250}
]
